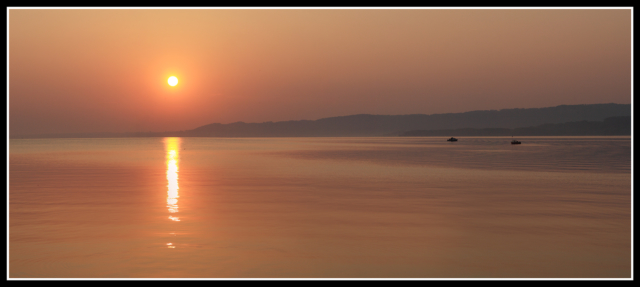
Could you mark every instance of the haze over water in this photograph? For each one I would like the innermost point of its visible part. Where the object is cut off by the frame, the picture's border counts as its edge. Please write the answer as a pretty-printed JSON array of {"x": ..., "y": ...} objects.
[{"x": 320, "y": 207}]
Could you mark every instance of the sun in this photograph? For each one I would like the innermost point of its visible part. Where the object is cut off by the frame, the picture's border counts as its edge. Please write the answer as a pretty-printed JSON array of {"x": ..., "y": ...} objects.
[{"x": 172, "y": 81}]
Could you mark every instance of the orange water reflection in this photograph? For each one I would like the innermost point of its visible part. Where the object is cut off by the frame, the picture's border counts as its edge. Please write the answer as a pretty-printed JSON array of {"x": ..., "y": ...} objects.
[{"x": 172, "y": 146}]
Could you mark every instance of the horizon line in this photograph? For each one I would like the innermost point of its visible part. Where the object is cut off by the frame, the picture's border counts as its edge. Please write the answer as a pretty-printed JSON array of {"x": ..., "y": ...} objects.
[{"x": 35, "y": 135}]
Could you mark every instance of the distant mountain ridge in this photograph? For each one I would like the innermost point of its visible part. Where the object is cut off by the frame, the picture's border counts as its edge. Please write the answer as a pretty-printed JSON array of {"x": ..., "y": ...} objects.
[
  {"x": 384, "y": 125},
  {"x": 393, "y": 125}
]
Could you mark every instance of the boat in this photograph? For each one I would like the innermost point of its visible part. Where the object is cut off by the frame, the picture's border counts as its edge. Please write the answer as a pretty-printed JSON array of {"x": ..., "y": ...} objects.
[
  {"x": 515, "y": 141},
  {"x": 452, "y": 139}
]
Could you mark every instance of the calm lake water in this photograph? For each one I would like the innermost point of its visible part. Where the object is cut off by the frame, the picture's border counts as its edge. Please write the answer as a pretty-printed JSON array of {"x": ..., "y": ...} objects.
[{"x": 320, "y": 207}]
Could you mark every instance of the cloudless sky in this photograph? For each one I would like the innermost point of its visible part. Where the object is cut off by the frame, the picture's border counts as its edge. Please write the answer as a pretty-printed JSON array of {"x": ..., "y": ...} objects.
[{"x": 106, "y": 70}]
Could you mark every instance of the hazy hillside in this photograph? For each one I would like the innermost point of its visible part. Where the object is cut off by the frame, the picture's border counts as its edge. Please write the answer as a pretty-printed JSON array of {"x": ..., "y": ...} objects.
[{"x": 380, "y": 125}]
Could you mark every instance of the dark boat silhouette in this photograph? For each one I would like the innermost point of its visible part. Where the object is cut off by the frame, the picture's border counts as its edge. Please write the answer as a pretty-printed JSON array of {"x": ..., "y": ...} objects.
[
  {"x": 452, "y": 139},
  {"x": 515, "y": 141}
]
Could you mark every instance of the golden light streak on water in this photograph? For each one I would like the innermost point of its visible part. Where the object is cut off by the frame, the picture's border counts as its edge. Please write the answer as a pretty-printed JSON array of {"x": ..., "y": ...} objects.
[{"x": 172, "y": 147}]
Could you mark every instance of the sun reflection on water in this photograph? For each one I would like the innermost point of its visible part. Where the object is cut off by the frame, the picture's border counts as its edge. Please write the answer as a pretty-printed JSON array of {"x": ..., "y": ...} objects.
[{"x": 172, "y": 147}]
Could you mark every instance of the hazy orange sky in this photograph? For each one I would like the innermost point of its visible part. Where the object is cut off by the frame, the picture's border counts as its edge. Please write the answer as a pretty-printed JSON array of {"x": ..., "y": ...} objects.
[{"x": 106, "y": 70}]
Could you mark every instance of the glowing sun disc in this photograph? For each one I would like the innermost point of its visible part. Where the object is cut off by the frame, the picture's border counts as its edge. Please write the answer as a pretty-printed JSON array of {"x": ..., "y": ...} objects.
[{"x": 172, "y": 81}]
